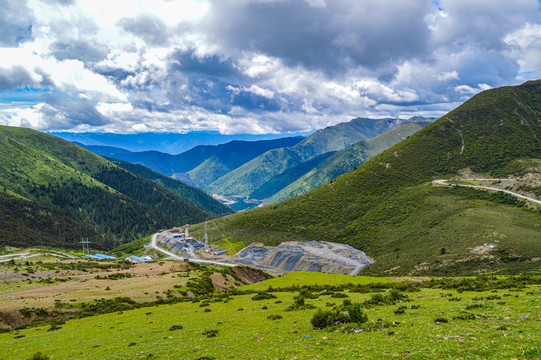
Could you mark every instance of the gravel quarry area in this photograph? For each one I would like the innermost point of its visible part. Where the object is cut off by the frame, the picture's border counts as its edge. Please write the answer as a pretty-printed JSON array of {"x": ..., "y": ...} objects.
[{"x": 318, "y": 256}]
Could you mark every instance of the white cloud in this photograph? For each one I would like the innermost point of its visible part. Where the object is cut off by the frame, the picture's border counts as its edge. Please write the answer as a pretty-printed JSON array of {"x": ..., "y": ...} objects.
[{"x": 256, "y": 65}]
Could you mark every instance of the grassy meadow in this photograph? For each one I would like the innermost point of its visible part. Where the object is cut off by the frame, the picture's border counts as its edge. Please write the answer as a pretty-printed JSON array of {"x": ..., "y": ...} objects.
[{"x": 455, "y": 318}]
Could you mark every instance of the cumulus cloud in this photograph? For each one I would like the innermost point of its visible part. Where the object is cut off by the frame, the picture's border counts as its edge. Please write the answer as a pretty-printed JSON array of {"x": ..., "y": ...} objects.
[
  {"x": 16, "y": 24},
  {"x": 150, "y": 28},
  {"x": 254, "y": 65}
]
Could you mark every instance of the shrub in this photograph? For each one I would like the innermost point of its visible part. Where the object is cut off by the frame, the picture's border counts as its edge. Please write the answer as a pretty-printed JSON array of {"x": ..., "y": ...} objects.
[
  {"x": 176, "y": 327},
  {"x": 210, "y": 333},
  {"x": 400, "y": 310},
  {"x": 39, "y": 356},
  {"x": 263, "y": 296},
  {"x": 356, "y": 313},
  {"x": 322, "y": 319},
  {"x": 274, "y": 317},
  {"x": 465, "y": 316}
]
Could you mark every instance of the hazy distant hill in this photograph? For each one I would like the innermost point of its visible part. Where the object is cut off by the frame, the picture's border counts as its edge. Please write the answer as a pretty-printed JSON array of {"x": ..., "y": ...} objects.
[
  {"x": 389, "y": 208},
  {"x": 253, "y": 174},
  {"x": 342, "y": 161},
  {"x": 54, "y": 192},
  {"x": 219, "y": 159},
  {"x": 170, "y": 143}
]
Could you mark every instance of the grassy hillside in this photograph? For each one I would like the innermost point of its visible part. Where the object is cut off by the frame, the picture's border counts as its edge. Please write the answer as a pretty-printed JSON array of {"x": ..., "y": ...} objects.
[
  {"x": 253, "y": 174},
  {"x": 343, "y": 161},
  {"x": 191, "y": 194},
  {"x": 70, "y": 192},
  {"x": 289, "y": 176},
  {"x": 388, "y": 208}
]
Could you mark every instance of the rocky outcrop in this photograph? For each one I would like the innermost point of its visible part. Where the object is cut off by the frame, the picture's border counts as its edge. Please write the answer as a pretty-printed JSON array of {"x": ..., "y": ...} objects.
[{"x": 319, "y": 256}]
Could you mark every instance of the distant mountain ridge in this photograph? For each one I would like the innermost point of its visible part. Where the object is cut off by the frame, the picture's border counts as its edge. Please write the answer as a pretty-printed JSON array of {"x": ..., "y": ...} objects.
[
  {"x": 340, "y": 162},
  {"x": 250, "y": 176},
  {"x": 222, "y": 157},
  {"x": 170, "y": 143}
]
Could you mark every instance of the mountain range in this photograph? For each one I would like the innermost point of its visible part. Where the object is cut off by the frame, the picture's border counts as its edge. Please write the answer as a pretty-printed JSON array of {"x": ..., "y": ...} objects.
[
  {"x": 250, "y": 172},
  {"x": 389, "y": 207},
  {"x": 171, "y": 143},
  {"x": 54, "y": 192}
]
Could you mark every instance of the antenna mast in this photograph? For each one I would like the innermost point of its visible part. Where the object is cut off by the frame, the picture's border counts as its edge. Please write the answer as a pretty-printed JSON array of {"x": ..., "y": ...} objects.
[{"x": 206, "y": 236}]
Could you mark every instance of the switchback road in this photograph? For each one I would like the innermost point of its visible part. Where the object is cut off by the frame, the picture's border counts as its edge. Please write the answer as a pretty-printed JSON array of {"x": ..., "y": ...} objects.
[{"x": 446, "y": 183}]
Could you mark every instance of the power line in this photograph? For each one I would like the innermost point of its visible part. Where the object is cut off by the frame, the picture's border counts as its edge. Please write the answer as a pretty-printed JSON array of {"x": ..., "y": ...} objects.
[{"x": 84, "y": 241}]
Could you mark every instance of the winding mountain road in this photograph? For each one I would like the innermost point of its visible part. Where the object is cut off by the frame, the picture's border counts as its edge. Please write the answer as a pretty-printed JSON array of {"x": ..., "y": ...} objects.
[
  {"x": 446, "y": 183},
  {"x": 153, "y": 244}
]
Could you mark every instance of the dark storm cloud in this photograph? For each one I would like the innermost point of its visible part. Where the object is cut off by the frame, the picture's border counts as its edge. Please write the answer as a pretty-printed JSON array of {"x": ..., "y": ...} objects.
[
  {"x": 67, "y": 112},
  {"x": 341, "y": 35},
  {"x": 212, "y": 82},
  {"x": 79, "y": 50},
  {"x": 16, "y": 23},
  {"x": 254, "y": 102},
  {"x": 148, "y": 27},
  {"x": 211, "y": 65},
  {"x": 14, "y": 78}
]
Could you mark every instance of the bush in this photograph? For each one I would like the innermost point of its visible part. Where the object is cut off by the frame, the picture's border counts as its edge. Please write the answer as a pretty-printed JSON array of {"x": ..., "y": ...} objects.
[
  {"x": 356, "y": 313},
  {"x": 441, "y": 320},
  {"x": 176, "y": 327},
  {"x": 400, "y": 310},
  {"x": 39, "y": 356},
  {"x": 322, "y": 319},
  {"x": 274, "y": 317},
  {"x": 210, "y": 333},
  {"x": 263, "y": 296}
]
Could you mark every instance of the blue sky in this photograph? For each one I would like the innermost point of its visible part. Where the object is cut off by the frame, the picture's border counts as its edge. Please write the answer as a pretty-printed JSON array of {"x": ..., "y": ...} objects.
[{"x": 254, "y": 66}]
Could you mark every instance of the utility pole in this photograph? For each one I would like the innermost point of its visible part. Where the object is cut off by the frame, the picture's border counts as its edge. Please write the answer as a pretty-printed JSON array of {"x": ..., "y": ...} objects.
[
  {"x": 206, "y": 236},
  {"x": 83, "y": 242}
]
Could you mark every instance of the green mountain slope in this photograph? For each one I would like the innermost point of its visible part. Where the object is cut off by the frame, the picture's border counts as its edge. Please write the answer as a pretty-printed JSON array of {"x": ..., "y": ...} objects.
[
  {"x": 62, "y": 183},
  {"x": 388, "y": 207},
  {"x": 225, "y": 156},
  {"x": 253, "y": 174},
  {"x": 194, "y": 195},
  {"x": 343, "y": 161},
  {"x": 289, "y": 176},
  {"x": 208, "y": 171}
]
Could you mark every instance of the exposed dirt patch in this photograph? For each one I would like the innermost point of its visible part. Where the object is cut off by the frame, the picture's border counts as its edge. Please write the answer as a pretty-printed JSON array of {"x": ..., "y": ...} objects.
[
  {"x": 14, "y": 318},
  {"x": 482, "y": 249},
  {"x": 414, "y": 279},
  {"x": 249, "y": 275},
  {"x": 222, "y": 282}
]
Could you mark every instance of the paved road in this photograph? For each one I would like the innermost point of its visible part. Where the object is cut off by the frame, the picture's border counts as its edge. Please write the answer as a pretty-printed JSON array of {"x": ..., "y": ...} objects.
[
  {"x": 446, "y": 183},
  {"x": 153, "y": 244}
]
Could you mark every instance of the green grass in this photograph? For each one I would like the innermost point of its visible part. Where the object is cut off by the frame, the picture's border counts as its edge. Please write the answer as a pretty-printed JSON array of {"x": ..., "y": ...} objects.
[
  {"x": 231, "y": 246},
  {"x": 503, "y": 324},
  {"x": 302, "y": 278}
]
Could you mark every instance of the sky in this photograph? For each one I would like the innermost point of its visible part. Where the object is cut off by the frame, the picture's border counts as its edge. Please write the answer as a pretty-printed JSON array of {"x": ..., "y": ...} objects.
[{"x": 254, "y": 66}]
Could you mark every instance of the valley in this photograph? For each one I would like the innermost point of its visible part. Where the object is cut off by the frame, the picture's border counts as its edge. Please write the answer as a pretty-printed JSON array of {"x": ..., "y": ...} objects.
[{"x": 264, "y": 179}]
